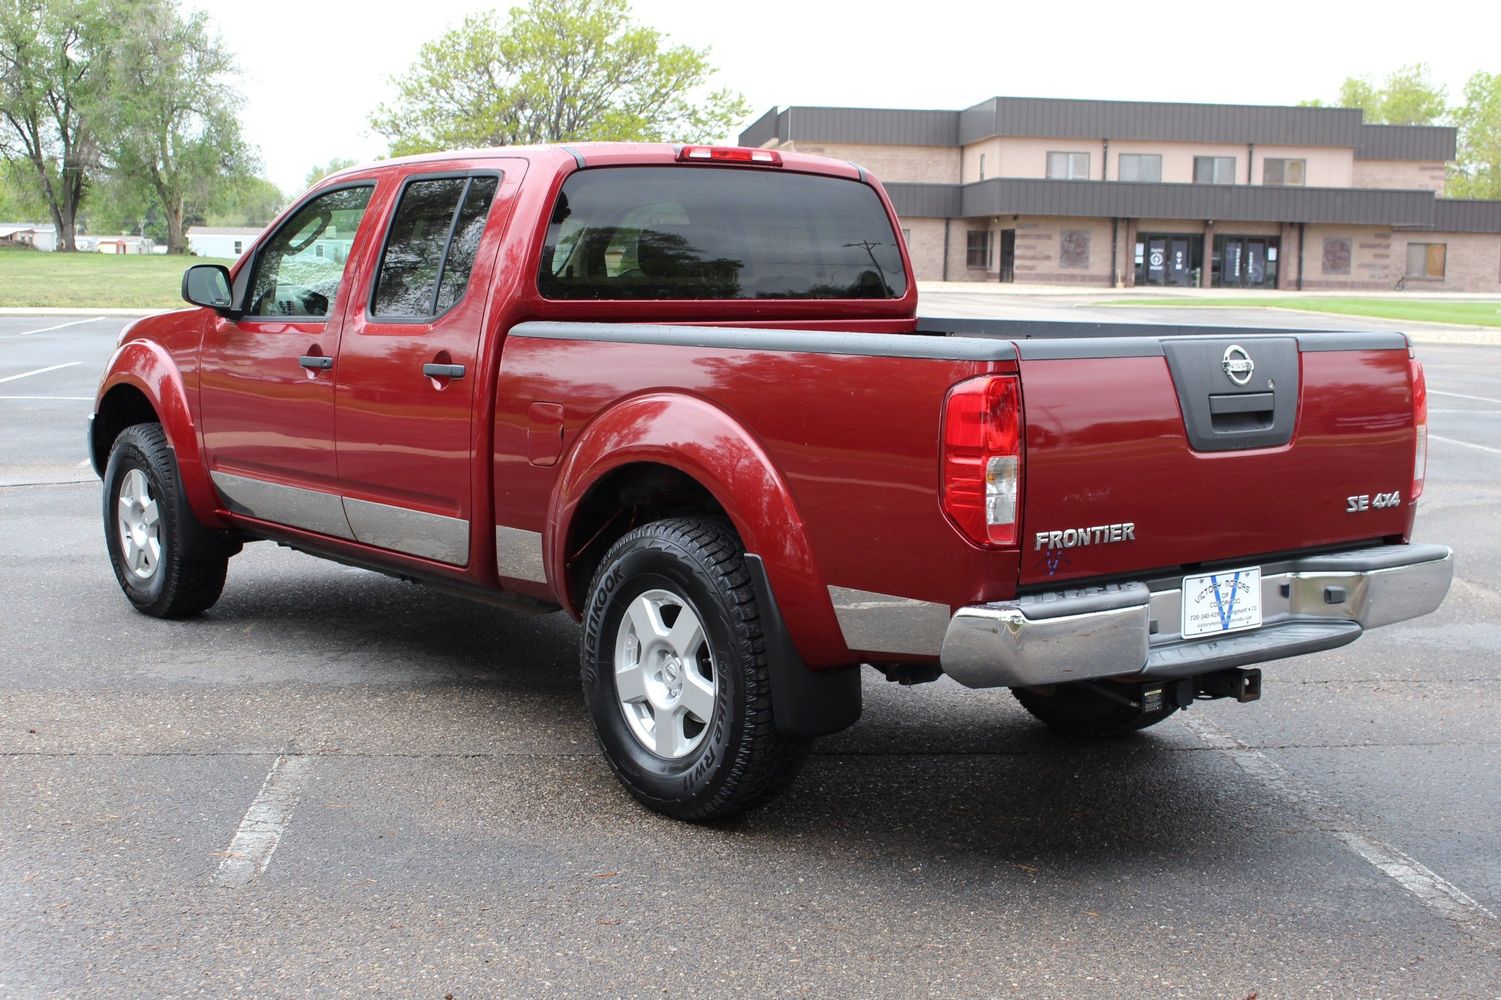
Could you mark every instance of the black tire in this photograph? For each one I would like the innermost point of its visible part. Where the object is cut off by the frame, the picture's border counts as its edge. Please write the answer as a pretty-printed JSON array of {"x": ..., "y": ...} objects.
[
  {"x": 1079, "y": 710},
  {"x": 185, "y": 575},
  {"x": 740, "y": 759}
]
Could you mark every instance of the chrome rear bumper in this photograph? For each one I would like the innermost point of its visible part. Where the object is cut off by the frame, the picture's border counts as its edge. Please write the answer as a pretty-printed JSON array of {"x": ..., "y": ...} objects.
[{"x": 1315, "y": 603}]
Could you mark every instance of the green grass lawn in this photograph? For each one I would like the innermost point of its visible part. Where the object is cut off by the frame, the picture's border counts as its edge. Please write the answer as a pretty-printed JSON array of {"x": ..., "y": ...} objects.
[
  {"x": 93, "y": 280},
  {"x": 1466, "y": 312}
]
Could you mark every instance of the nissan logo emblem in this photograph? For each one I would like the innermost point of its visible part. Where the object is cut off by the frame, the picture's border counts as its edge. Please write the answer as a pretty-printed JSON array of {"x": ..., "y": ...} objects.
[{"x": 1238, "y": 365}]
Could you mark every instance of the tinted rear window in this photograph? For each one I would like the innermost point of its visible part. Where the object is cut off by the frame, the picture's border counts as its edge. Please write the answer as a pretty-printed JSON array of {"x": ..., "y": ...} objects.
[{"x": 718, "y": 233}]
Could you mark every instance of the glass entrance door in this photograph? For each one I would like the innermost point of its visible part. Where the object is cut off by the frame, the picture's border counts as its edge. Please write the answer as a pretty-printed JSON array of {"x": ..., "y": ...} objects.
[
  {"x": 1168, "y": 259},
  {"x": 1245, "y": 261}
]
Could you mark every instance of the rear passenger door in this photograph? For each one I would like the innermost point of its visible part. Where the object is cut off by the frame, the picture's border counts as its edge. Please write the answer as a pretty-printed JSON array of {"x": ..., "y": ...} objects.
[{"x": 408, "y": 366}]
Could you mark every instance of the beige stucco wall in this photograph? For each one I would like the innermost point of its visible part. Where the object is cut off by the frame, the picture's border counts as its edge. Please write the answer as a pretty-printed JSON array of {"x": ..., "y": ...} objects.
[
  {"x": 1188, "y": 226},
  {"x": 1473, "y": 261},
  {"x": 1373, "y": 258},
  {"x": 1022, "y": 157},
  {"x": 925, "y": 247},
  {"x": 991, "y": 150},
  {"x": 1248, "y": 229},
  {"x": 1178, "y": 158},
  {"x": 1029, "y": 157},
  {"x": 1410, "y": 175},
  {"x": 1324, "y": 166},
  {"x": 893, "y": 164},
  {"x": 1039, "y": 242},
  {"x": 1378, "y": 260}
]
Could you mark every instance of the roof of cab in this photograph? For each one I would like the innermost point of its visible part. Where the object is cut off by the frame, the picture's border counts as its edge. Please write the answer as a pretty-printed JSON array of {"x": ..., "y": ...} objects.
[{"x": 600, "y": 154}]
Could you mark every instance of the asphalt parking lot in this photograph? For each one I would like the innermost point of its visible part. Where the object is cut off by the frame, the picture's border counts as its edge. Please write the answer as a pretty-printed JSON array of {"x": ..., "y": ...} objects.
[{"x": 447, "y": 828}]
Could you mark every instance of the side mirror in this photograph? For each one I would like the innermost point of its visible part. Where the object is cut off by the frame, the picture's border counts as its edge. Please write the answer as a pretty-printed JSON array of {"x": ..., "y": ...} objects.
[{"x": 207, "y": 285}]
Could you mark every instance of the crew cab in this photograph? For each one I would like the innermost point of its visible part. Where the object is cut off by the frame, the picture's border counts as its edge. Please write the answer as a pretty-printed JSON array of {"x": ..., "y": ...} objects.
[{"x": 683, "y": 395}]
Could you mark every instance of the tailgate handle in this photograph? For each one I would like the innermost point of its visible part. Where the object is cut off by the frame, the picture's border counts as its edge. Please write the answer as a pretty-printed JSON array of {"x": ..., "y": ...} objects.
[
  {"x": 1241, "y": 412},
  {"x": 1240, "y": 402}
]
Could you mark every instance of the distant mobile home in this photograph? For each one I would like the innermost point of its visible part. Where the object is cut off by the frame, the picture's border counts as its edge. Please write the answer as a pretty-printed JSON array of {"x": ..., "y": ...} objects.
[{"x": 217, "y": 241}]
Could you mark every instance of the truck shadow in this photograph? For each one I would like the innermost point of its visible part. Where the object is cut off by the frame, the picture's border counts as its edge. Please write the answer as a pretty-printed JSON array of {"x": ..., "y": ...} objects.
[{"x": 931, "y": 774}]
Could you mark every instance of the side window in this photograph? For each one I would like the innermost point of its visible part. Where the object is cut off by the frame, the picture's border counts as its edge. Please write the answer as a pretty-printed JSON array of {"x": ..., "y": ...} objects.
[
  {"x": 299, "y": 272},
  {"x": 430, "y": 248}
]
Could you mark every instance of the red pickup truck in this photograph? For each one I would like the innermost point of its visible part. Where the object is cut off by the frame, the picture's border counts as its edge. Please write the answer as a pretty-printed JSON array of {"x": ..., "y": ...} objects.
[{"x": 682, "y": 393}]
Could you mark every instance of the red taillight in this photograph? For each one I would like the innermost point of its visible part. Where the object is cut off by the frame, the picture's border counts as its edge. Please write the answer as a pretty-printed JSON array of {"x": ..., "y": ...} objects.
[
  {"x": 982, "y": 459},
  {"x": 1420, "y": 426},
  {"x": 729, "y": 154}
]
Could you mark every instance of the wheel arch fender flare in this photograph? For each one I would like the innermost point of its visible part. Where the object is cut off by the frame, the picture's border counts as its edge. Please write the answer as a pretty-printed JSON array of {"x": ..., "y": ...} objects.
[
  {"x": 142, "y": 368},
  {"x": 701, "y": 440}
]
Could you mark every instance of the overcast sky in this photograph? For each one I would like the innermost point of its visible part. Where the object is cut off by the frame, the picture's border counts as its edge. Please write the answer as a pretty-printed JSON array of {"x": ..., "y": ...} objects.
[{"x": 313, "y": 72}]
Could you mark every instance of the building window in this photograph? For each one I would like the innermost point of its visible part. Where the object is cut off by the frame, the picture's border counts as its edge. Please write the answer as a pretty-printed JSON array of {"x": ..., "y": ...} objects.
[
  {"x": 1073, "y": 248},
  {"x": 1426, "y": 260},
  {"x": 1146, "y": 167},
  {"x": 982, "y": 166},
  {"x": 978, "y": 250},
  {"x": 1214, "y": 170},
  {"x": 1283, "y": 173},
  {"x": 1068, "y": 166},
  {"x": 239, "y": 247},
  {"x": 1336, "y": 255}
]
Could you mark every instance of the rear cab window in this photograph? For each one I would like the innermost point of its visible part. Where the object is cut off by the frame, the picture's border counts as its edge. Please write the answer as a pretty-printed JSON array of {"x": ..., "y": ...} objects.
[{"x": 667, "y": 232}]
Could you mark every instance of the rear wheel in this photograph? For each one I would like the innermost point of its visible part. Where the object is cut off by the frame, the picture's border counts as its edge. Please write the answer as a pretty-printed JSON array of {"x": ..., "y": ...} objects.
[
  {"x": 1086, "y": 710},
  {"x": 147, "y": 528},
  {"x": 675, "y": 676}
]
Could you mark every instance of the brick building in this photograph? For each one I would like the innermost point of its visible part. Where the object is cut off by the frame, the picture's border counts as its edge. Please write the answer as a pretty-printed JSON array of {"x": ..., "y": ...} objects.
[{"x": 1115, "y": 193}]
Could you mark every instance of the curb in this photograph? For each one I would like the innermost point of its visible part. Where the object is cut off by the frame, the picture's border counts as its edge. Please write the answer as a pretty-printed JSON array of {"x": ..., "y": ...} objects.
[{"x": 75, "y": 311}]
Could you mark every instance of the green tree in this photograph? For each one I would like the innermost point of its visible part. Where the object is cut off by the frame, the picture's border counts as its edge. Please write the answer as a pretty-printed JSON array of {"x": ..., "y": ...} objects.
[
  {"x": 120, "y": 204},
  {"x": 244, "y": 201},
  {"x": 556, "y": 71},
  {"x": 49, "y": 78},
  {"x": 331, "y": 167},
  {"x": 1407, "y": 96},
  {"x": 1477, "y": 173},
  {"x": 172, "y": 111},
  {"x": 19, "y": 199}
]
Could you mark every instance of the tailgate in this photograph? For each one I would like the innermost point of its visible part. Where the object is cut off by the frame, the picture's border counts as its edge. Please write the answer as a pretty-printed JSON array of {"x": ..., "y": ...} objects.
[{"x": 1147, "y": 453}]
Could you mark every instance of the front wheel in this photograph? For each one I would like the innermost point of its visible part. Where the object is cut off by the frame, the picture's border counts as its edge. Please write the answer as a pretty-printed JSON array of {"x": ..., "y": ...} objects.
[
  {"x": 674, "y": 671},
  {"x": 146, "y": 528}
]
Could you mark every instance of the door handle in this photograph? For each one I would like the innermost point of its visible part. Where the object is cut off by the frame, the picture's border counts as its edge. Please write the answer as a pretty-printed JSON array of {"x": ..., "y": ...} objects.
[
  {"x": 432, "y": 370},
  {"x": 316, "y": 362}
]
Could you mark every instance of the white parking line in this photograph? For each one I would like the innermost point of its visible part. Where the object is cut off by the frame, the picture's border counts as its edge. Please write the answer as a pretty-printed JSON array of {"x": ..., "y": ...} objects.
[
  {"x": 1465, "y": 444},
  {"x": 41, "y": 371},
  {"x": 62, "y": 326},
  {"x": 1460, "y": 395},
  {"x": 265, "y": 821},
  {"x": 1426, "y": 886}
]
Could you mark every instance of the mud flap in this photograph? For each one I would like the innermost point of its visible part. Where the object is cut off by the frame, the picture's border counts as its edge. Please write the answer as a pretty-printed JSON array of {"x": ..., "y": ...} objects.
[{"x": 804, "y": 702}]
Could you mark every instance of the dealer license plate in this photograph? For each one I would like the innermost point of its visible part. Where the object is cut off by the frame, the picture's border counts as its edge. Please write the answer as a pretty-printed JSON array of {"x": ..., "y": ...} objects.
[{"x": 1227, "y": 601}]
